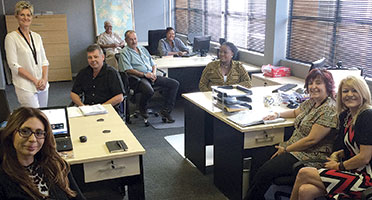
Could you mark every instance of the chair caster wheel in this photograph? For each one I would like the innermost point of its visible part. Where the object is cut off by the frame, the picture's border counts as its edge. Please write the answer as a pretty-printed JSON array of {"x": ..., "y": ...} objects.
[
  {"x": 156, "y": 114},
  {"x": 129, "y": 122},
  {"x": 147, "y": 124},
  {"x": 135, "y": 116},
  {"x": 164, "y": 119}
]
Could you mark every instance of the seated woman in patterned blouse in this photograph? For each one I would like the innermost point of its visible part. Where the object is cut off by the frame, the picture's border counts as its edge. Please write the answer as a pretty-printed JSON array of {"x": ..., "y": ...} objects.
[
  {"x": 311, "y": 140},
  {"x": 224, "y": 71},
  {"x": 31, "y": 167},
  {"x": 348, "y": 171}
]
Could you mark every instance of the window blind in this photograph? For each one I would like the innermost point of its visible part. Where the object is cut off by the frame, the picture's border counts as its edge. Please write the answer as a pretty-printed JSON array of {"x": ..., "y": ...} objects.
[
  {"x": 239, "y": 21},
  {"x": 339, "y": 30}
]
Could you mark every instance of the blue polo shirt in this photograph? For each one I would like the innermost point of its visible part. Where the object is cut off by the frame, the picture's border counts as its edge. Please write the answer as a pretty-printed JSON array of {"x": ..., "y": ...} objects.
[{"x": 130, "y": 59}]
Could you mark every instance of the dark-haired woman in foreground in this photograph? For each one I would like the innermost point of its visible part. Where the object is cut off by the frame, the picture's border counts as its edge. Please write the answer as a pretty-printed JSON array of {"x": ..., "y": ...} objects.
[{"x": 31, "y": 167}]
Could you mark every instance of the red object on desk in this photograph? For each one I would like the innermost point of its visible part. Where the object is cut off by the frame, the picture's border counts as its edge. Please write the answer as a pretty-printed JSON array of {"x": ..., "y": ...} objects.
[{"x": 274, "y": 71}]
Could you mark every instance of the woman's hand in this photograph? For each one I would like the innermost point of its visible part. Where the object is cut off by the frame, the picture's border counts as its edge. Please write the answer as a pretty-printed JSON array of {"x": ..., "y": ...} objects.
[
  {"x": 41, "y": 84},
  {"x": 337, "y": 155},
  {"x": 331, "y": 164},
  {"x": 280, "y": 150},
  {"x": 271, "y": 116}
]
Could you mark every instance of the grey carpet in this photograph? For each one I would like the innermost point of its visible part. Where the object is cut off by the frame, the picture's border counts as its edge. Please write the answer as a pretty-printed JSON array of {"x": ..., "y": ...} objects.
[{"x": 177, "y": 115}]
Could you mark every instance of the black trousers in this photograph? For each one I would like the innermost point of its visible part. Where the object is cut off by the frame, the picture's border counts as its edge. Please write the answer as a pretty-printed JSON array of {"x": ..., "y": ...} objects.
[
  {"x": 279, "y": 166},
  {"x": 169, "y": 88}
]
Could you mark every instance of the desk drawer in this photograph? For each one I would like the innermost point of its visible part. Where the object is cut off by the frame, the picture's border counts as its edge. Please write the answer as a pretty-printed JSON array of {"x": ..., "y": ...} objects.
[
  {"x": 109, "y": 169},
  {"x": 263, "y": 138}
]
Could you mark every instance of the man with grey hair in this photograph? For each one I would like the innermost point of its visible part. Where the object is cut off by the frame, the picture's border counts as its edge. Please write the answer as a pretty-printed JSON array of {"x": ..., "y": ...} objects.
[
  {"x": 98, "y": 82},
  {"x": 111, "y": 43},
  {"x": 136, "y": 60}
]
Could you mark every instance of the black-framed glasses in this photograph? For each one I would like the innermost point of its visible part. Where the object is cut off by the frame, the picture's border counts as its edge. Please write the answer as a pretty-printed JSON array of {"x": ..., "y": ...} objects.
[{"x": 27, "y": 132}]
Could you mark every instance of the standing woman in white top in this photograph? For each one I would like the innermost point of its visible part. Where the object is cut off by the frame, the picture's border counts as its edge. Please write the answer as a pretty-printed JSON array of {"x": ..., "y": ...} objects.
[{"x": 27, "y": 60}]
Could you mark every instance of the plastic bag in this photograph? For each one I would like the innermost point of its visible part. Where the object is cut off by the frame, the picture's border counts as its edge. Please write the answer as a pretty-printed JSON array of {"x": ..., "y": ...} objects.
[{"x": 274, "y": 71}]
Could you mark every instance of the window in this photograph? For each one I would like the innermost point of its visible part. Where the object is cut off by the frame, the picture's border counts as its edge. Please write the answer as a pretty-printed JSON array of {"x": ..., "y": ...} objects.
[
  {"x": 339, "y": 30},
  {"x": 239, "y": 21}
]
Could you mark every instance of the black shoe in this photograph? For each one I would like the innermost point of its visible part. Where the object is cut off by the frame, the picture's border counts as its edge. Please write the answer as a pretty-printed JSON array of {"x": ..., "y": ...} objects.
[
  {"x": 143, "y": 113},
  {"x": 165, "y": 116}
]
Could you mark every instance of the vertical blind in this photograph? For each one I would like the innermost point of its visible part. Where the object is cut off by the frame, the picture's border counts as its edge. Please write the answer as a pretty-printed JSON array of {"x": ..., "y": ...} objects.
[
  {"x": 339, "y": 30},
  {"x": 239, "y": 21}
]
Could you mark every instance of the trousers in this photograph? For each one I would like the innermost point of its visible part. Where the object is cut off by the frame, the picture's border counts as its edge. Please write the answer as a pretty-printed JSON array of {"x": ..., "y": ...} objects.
[
  {"x": 30, "y": 99},
  {"x": 169, "y": 89},
  {"x": 278, "y": 166}
]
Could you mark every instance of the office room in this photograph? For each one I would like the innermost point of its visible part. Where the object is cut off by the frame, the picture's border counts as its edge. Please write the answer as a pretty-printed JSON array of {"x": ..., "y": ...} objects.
[{"x": 271, "y": 38}]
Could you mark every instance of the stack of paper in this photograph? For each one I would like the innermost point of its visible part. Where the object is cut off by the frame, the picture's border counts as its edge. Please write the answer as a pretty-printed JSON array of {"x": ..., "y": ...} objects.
[{"x": 86, "y": 110}]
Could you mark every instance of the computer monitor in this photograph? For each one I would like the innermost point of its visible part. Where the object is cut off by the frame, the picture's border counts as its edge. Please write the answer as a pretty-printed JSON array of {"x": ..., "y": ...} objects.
[
  {"x": 201, "y": 44},
  {"x": 58, "y": 119}
]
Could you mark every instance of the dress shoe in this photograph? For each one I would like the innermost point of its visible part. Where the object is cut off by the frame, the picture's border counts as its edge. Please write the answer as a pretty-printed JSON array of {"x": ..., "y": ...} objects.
[{"x": 166, "y": 117}]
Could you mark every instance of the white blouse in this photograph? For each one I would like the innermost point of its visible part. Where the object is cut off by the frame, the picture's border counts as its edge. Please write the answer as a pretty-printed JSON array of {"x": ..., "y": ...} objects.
[{"x": 19, "y": 54}]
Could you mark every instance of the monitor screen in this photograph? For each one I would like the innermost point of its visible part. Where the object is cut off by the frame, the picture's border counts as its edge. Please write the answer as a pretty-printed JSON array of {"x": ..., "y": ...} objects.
[
  {"x": 58, "y": 119},
  {"x": 201, "y": 44}
]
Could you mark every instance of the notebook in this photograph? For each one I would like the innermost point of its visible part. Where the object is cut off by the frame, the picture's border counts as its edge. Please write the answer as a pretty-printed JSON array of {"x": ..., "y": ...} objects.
[{"x": 58, "y": 118}]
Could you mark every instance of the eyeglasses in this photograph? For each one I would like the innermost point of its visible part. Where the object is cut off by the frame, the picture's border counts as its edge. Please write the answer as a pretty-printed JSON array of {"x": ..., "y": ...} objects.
[{"x": 27, "y": 132}]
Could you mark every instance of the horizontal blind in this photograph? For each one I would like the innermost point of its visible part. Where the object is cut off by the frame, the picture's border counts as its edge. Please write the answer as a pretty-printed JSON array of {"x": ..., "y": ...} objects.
[
  {"x": 239, "y": 21},
  {"x": 339, "y": 30}
]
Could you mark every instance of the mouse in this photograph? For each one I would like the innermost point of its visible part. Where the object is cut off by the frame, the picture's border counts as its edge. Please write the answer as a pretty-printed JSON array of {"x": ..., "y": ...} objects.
[{"x": 83, "y": 139}]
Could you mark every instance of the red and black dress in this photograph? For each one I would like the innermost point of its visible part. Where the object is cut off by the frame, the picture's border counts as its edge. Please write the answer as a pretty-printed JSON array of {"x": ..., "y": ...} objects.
[{"x": 352, "y": 182}]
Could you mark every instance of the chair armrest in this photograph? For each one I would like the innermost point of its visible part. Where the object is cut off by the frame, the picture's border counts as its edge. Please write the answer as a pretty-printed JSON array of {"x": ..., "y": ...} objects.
[
  {"x": 367, "y": 194},
  {"x": 162, "y": 73}
]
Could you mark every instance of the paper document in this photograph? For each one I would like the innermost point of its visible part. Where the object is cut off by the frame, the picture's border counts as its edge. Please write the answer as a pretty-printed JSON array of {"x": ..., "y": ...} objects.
[
  {"x": 250, "y": 118},
  {"x": 93, "y": 109},
  {"x": 86, "y": 110}
]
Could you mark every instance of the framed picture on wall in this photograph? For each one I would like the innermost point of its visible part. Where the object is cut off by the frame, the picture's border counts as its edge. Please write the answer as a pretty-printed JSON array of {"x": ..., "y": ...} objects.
[{"x": 119, "y": 12}]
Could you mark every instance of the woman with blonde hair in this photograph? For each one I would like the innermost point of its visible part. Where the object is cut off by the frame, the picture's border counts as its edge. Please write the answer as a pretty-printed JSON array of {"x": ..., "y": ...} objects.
[
  {"x": 31, "y": 168},
  {"x": 27, "y": 60},
  {"x": 348, "y": 171}
]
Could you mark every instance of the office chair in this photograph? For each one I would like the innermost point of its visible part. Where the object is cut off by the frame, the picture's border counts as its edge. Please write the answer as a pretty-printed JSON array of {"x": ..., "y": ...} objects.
[
  {"x": 153, "y": 40},
  {"x": 4, "y": 108},
  {"x": 131, "y": 83}
]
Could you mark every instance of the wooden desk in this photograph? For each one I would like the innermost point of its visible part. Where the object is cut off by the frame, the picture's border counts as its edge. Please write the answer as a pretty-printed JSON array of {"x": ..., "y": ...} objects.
[
  {"x": 205, "y": 124},
  {"x": 92, "y": 163},
  {"x": 186, "y": 70},
  {"x": 259, "y": 79}
]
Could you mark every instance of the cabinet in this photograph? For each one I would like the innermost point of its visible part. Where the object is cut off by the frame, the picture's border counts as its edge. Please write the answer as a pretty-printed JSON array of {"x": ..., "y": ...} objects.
[{"x": 53, "y": 31}]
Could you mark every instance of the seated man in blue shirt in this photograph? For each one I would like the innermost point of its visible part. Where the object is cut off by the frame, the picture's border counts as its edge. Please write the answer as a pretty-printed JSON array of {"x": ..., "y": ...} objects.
[
  {"x": 98, "y": 82},
  {"x": 171, "y": 45},
  {"x": 137, "y": 61}
]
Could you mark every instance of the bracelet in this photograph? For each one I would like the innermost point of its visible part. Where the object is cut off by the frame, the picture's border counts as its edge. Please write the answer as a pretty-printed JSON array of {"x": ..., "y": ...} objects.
[
  {"x": 285, "y": 150},
  {"x": 277, "y": 114},
  {"x": 341, "y": 166}
]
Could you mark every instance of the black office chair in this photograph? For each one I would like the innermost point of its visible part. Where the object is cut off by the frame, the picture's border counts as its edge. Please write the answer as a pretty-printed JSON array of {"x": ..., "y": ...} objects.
[
  {"x": 153, "y": 40},
  {"x": 131, "y": 83},
  {"x": 4, "y": 108}
]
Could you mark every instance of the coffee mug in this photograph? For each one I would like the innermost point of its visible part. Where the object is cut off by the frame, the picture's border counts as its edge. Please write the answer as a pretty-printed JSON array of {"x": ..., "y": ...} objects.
[{"x": 268, "y": 101}]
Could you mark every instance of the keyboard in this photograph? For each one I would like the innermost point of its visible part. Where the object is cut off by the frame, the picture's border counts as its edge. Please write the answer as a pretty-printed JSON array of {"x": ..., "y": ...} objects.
[
  {"x": 191, "y": 54},
  {"x": 285, "y": 87}
]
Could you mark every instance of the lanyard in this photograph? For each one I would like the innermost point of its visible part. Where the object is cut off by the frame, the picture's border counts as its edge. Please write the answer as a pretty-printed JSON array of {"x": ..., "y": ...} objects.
[{"x": 33, "y": 45}]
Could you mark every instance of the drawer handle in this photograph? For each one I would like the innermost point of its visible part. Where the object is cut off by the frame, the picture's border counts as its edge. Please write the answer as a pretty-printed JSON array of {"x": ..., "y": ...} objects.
[
  {"x": 266, "y": 138},
  {"x": 113, "y": 167}
]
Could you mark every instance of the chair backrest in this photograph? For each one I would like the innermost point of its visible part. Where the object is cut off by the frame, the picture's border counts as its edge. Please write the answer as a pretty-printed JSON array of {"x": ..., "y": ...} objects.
[
  {"x": 4, "y": 108},
  {"x": 153, "y": 40}
]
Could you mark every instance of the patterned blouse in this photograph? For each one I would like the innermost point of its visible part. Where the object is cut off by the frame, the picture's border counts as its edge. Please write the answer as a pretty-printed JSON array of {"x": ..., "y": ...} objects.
[
  {"x": 324, "y": 115},
  {"x": 38, "y": 178},
  {"x": 212, "y": 76}
]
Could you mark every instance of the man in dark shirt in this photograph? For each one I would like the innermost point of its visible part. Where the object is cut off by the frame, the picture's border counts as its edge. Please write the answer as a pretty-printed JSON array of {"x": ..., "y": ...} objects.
[{"x": 99, "y": 83}]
